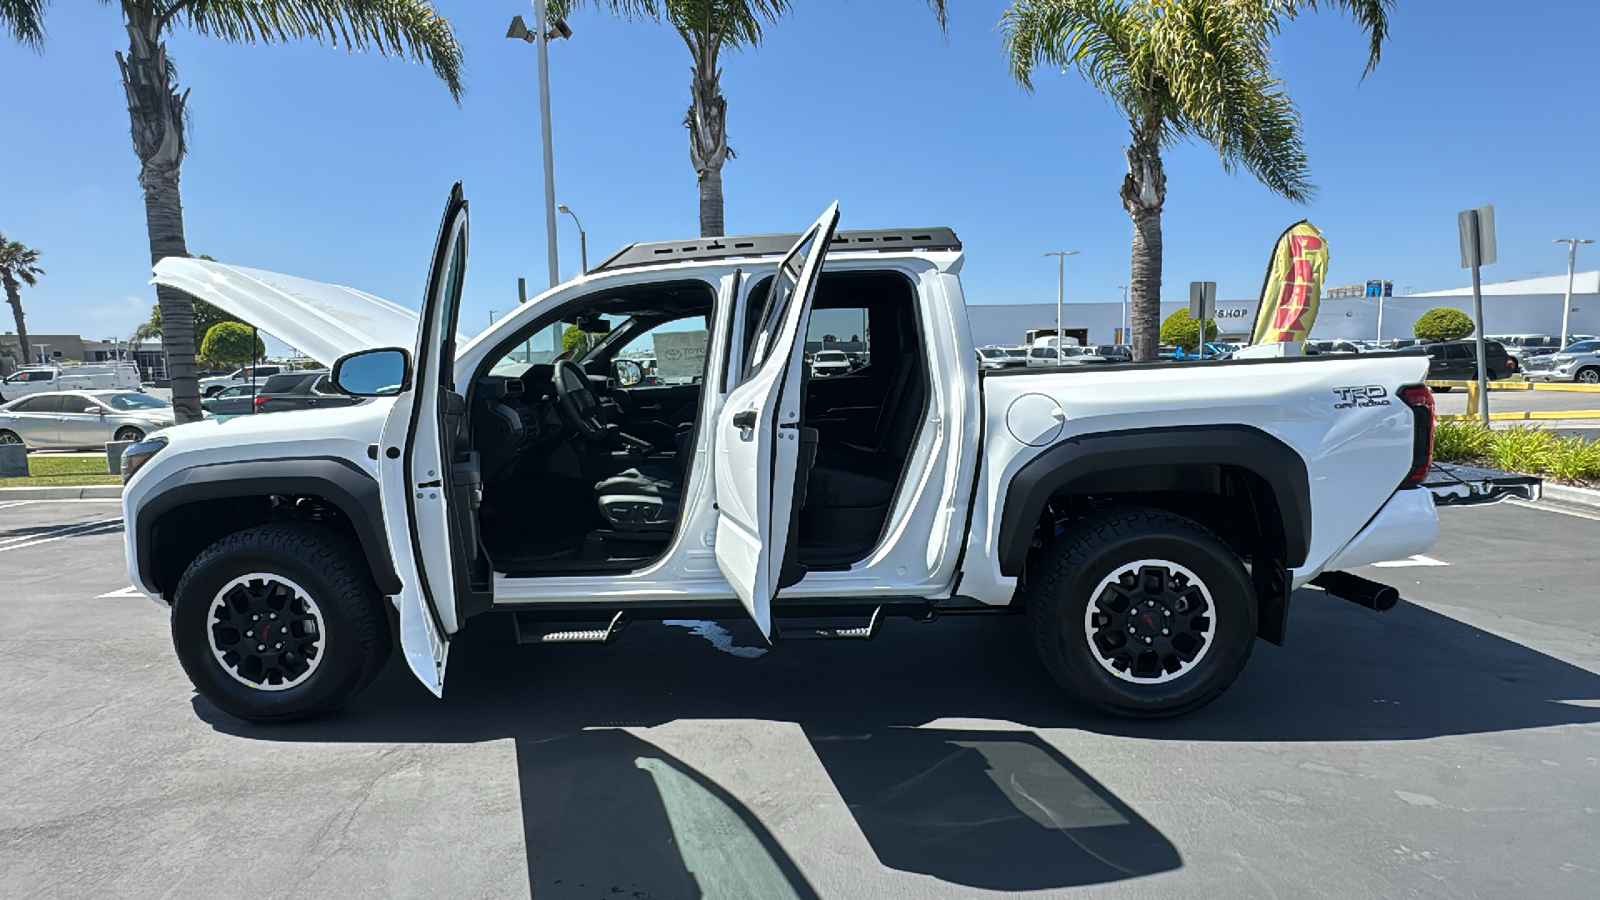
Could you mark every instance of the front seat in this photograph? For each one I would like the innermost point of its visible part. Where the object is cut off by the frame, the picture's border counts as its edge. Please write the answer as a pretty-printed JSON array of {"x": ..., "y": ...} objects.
[{"x": 644, "y": 498}]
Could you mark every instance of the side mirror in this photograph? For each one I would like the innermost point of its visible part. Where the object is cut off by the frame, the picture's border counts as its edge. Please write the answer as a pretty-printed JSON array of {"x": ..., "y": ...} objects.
[
  {"x": 373, "y": 373},
  {"x": 628, "y": 372}
]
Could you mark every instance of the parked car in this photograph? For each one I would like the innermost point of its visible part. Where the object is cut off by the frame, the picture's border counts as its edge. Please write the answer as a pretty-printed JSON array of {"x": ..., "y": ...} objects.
[
  {"x": 210, "y": 387},
  {"x": 1333, "y": 346},
  {"x": 232, "y": 401},
  {"x": 301, "y": 390},
  {"x": 91, "y": 377},
  {"x": 1458, "y": 361},
  {"x": 1070, "y": 355},
  {"x": 992, "y": 357},
  {"x": 825, "y": 363},
  {"x": 82, "y": 420},
  {"x": 1114, "y": 352},
  {"x": 1527, "y": 346},
  {"x": 1579, "y": 362},
  {"x": 1117, "y": 507}
]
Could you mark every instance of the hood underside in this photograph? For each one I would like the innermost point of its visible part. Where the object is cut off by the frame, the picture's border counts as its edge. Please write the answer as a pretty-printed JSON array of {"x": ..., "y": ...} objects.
[{"x": 323, "y": 321}]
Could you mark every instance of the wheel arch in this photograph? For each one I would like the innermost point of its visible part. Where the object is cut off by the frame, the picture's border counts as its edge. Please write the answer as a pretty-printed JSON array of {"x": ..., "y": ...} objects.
[
  {"x": 194, "y": 507},
  {"x": 1183, "y": 469}
]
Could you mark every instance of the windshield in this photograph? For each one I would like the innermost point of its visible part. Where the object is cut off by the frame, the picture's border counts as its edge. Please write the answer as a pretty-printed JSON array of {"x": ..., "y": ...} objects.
[
  {"x": 831, "y": 356},
  {"x": 992, "y": 353},
  {"x": 130, "y": 401}
]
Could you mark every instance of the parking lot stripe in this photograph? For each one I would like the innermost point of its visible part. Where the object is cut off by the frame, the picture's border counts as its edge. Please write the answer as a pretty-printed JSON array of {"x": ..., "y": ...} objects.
[
  {"x": 1418, "y": 560},
  {"x": 1550, "y": 507},
  {"x": 83, "y": 529}
]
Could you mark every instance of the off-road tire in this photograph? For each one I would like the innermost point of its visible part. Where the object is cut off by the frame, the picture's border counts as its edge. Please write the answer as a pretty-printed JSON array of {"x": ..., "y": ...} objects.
[
  {"x": 1072, "y": 567},
  {"x": 356, "y": 638}
]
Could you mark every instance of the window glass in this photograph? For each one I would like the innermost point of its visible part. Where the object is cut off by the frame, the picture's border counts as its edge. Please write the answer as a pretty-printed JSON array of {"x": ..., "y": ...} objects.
[
  {"x": 1584, "y": 347},
  {"x": 132, "y": 400},
  {"x": 283, "y": 384},
  {"x": 1458, "y": 351},
  {"x": 323, "y": 387},
  {"x": 45, "y": 403},
  {"x": 77, "y": 403},
  {"x": 847, "y": 330},
  {"x": 671, "y": 352},
  {"x": 769, "y": 310},
  {"x": 40, "y": 376}
]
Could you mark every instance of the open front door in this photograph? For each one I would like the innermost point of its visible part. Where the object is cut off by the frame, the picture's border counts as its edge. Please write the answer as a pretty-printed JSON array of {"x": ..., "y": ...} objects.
[
  {"x": 416, "y": 477},
  {"x": 759, "y": 430}
]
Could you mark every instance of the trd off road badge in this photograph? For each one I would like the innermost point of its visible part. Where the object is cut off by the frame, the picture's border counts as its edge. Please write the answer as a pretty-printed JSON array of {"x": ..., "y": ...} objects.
[{"x": 1368, "y": 395}]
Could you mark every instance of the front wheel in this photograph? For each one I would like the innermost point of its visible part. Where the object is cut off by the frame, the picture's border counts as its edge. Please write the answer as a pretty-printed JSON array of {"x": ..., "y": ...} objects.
[
  {"x": 1589, "y": 375},
  {"x": 130, "y": 434},
  {"x": 1142, "y": 613},
  {"x": 9, "y": 437},
  {"x": 279, "y": 622}
]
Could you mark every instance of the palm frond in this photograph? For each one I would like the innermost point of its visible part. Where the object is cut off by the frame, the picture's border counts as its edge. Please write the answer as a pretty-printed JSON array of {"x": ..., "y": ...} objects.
[
  {"x": 1224, "y": 91},
  {"x": 409, "y": 29},
  {"x": 1371, "y": 15},
  {"x": 1098, "y": 38},
  {"x": 630, "y": 10},
  {"x": 25, "y": 20}
]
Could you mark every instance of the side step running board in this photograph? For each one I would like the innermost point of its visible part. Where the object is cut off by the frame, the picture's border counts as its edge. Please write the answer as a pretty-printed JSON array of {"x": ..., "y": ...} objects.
[
  {"x": 533, "y": 630},
  {"x": 827, "y": 628}
]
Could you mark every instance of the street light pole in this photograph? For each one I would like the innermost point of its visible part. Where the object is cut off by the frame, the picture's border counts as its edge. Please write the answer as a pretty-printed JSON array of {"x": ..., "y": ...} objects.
[
  {"x": 1572, "y": 260},
  {"x": 543, "y": 44},
  {"x": 1123, "y": 325},
  {"x": 1061, "y": 280},
  {"x": 583, "y": 239}
]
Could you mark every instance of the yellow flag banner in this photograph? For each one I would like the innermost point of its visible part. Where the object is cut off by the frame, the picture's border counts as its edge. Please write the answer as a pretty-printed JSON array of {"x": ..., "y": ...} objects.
[{"x": 1292, "y": 292}]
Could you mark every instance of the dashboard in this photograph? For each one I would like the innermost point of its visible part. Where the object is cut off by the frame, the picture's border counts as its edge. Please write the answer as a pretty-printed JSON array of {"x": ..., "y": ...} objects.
[{"x": 512, "y": 414}]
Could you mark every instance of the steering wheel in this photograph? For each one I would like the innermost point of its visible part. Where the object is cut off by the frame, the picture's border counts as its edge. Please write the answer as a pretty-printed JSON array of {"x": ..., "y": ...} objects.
[{"x": 578, "y": 403}]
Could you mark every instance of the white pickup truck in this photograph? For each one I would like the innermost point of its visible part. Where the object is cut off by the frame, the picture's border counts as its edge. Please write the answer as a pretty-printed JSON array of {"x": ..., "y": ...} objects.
[
  {"x": 1151, "y": 520},
  {"x": 46, "y": 379}
]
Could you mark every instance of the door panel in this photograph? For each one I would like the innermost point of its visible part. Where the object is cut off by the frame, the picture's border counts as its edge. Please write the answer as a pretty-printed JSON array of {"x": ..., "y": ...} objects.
[
  {"x": 415, "y": 472},
  {"x": 758, "y": 431}
]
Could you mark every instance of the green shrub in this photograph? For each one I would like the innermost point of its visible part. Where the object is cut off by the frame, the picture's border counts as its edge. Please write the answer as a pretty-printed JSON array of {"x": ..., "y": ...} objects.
[
  {"x": 1575, "y": 459},
  {"x": 1179, "y": 330},
  {"x": 1523, "y": 448},
  {"x": 1460, "y": 441},
  {"x": 1443, "y": 324},
  {"x": 232, "y": 342}
]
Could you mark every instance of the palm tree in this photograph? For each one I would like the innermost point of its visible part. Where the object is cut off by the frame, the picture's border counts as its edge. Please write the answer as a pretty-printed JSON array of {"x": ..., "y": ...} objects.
[
  {"x": 708, "y": 27},
  {"x": 157, "y": 108},
  {"x": 1180, "y": 69},
  {"x": 19, "y": 265}
]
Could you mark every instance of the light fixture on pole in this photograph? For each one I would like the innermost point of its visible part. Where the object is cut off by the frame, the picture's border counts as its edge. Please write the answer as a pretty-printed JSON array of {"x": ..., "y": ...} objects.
[
  {"x": 1061, "y": 280},
  {"x": 1572, "y": 260},
  {"x": 540, "y": 37},
  {"x": 583, "y": 239}
]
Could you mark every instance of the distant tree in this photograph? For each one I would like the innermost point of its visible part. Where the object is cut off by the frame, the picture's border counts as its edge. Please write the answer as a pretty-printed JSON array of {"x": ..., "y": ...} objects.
[
  {"x": 575, "y": 342},
  {"x": 1180, "y": 330},
  {"x": 1443, "y": 324},
  {"x": 206, "y": 316},
  {"x": 232, "y": 342},
  {"x": 855, "y": 338},
  {"x": 830, "y": 339},
  {"x": 1179, "y": 70},
  {"x": 19, "y": 265}
]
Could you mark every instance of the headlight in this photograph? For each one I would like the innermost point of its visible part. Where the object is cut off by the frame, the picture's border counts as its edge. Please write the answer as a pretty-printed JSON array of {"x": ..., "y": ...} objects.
[{"x": 136, "y": 455}]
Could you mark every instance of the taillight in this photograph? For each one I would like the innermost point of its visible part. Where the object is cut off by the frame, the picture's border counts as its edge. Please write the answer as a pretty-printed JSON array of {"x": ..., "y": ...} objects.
[
  {"x": 260, "y": 401},
  {"x": 1420, "y": 399}
]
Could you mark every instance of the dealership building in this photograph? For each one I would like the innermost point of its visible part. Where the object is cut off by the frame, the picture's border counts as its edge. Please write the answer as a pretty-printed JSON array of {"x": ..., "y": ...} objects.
[{"x": 1527, "y": 306}]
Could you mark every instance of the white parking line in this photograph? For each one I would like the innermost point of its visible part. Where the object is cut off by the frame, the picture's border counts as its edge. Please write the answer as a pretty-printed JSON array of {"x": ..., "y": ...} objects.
[
  {"x": 129, "y": 591},
  {"x": 82, "y": 529},
  {"x": 1417, "y": 560},
  {"x": 7, "y": 504}
]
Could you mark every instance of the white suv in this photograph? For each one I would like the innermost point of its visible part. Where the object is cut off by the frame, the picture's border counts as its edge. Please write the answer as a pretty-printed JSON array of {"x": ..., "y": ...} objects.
[{"x": 1579, "y": 362}]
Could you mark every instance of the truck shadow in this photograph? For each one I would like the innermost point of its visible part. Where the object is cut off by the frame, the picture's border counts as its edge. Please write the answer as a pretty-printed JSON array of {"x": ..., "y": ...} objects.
[{"x": 997, "y": 809}]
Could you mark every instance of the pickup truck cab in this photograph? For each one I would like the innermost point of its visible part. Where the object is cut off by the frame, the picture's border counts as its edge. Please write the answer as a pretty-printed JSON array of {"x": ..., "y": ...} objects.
[{"x": 1151, "y": 520}]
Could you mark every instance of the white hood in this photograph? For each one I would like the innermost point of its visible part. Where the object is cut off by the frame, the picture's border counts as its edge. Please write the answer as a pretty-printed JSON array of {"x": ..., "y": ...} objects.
[{"x": 323, "y": 321}]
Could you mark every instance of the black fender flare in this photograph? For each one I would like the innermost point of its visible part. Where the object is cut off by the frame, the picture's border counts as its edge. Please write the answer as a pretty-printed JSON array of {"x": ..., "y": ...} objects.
[
  {"x": 338, "y": 481},
  {"x": 1110, "y": 461}
]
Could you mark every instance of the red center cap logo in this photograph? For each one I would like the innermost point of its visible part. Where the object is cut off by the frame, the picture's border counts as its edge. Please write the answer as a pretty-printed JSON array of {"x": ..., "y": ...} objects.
[{"x": 1149, "y": 621}]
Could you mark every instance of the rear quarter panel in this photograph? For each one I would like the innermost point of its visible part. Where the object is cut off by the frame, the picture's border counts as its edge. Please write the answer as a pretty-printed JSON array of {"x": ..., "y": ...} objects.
[{"x": 1356, "y": 454}]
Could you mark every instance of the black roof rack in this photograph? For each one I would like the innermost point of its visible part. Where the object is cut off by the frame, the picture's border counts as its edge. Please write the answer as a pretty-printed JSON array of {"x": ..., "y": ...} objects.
[{"x": 773, "y": 244}]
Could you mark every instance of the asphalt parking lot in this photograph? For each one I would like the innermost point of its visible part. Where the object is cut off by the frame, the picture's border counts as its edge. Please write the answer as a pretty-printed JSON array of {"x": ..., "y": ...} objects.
[{"x": 1448, "y": 748}]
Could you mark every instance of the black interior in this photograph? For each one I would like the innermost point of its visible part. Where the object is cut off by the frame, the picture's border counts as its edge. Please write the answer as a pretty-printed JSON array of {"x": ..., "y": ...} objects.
[{"x": 581, "y": 474}]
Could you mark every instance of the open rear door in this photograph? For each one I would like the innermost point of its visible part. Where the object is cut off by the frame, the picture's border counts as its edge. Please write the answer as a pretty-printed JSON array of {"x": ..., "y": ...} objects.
[
  {"x": 759, "y": 429},
  {"x": 416, "y": 478}
]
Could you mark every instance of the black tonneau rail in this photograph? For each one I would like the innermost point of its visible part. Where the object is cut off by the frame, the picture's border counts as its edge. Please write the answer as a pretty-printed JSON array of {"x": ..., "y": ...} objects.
[{"x": 1206, "y": 363}]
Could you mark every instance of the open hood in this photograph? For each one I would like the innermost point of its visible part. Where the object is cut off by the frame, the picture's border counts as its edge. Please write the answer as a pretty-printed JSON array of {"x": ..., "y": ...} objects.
[{"x": 323, "y": 321}]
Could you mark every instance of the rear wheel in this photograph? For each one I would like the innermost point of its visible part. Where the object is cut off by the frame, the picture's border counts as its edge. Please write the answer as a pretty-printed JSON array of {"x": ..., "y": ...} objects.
[
  {"x": 279, "y": 622},
  {"x": 1142, "y": 613},
  {"x": 130, "y": 434},
  {"x": 1588, "y": 375}
]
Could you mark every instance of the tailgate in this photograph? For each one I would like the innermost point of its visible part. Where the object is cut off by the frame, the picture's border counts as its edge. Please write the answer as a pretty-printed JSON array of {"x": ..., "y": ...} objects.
[{"x": 1456, "y": 485}]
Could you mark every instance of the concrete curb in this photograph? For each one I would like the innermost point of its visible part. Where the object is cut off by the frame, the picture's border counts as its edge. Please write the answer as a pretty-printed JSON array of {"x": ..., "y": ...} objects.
[
  {"x": 63, "y": 492},
  {"x": 1574, "y": 496}
]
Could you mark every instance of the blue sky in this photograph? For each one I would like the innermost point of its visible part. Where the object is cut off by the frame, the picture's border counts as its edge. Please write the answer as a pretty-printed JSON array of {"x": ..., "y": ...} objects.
[{"x": 313, "y": 161}]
